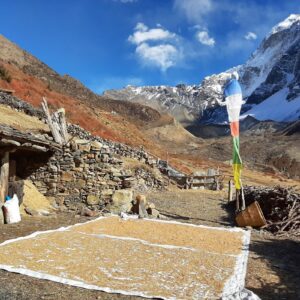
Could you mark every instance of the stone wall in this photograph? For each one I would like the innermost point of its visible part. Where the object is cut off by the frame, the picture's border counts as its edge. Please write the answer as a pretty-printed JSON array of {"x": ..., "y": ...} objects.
[{"x": 87, "y": 173}]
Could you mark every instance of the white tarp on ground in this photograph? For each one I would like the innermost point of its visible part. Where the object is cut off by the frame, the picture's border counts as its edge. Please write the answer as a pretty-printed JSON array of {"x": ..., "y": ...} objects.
[{"x": 148, "y": 258}]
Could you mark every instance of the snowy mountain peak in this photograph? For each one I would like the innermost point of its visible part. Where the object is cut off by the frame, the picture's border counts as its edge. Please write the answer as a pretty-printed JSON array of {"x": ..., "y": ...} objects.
[
  {"x": 286, "y": 24},
  {"x": 270, "y": 78}
]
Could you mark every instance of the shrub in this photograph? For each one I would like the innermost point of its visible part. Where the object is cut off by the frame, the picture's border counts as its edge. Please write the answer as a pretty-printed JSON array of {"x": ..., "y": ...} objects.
[{"x": 4, "y": 74}]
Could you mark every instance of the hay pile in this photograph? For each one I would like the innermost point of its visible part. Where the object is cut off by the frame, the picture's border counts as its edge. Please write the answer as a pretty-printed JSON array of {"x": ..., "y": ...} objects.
[{"x": 34, "y": 203}]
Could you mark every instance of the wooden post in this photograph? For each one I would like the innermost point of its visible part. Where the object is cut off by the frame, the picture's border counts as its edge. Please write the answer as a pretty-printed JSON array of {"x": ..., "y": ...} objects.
[
  {"x": 230, "y": 191},
  {"x": 63, "y": 124},
  {"x": 237, "y": 200},
  {"x": 243, "y": 199},
  {"x": 217, "y": 183},
  {"x": 4, "y": 174},
  {"x": 167, "y": 158},
  {"x": 53, "y": 128}
]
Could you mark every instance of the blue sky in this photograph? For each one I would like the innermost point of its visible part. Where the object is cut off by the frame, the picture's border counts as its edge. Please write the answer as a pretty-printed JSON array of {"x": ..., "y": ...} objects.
[{"x": 111, "y": 43}]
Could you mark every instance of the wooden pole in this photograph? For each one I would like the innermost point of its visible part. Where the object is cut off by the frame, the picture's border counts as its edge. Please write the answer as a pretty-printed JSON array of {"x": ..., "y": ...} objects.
[
  {"x": 4, "y": 175},
  {"x": 51, "y": 124},
  {"x": 230, "y": 191},
  {"x": 63, "y": 124},
  {"x": 167, "y": 158},
  {"x": 243, "y": 199},
  {"x": 237, "y": 193}
]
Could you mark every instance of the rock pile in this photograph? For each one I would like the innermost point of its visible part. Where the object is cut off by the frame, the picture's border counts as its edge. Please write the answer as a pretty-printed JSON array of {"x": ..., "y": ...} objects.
[
  {"x": 20, "y": 105},
  {"x": 144, "y": 209},
  {"x": 115, "y": 147}
]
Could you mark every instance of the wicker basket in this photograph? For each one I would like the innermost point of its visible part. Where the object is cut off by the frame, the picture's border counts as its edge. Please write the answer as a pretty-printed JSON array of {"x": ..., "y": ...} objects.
[{"x": 251, "y": 216}]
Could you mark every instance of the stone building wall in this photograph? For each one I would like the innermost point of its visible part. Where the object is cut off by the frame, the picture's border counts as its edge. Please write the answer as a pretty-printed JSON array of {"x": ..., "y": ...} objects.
[{"x": 87, "y": 173}]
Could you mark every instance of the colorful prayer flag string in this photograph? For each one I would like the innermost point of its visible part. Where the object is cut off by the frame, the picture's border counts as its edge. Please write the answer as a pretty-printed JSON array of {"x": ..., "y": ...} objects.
[{"x": 234, "y": 101}]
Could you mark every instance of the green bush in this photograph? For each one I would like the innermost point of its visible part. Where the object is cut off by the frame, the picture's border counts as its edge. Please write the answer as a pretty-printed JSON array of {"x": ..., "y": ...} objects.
[{"x": 4, "y": 74}]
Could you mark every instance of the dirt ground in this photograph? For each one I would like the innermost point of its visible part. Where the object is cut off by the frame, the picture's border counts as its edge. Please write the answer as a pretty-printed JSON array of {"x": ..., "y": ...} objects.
[{"x": 273, "y": 266}]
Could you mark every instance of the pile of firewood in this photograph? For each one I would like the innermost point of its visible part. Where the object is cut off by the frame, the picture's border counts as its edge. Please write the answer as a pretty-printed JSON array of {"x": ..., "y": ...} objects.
[{"x": 280, "y": 206}]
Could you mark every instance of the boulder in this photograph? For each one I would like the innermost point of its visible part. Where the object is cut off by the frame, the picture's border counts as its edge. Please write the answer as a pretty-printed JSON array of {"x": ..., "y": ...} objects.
[
  {"x": 107, "y": 192},
  {"x": 67, "y": 176},
  {"x": 80, "y": 183},
  {"x": 121, "y": 201},
  {"x": 96, "y": 145},
  {"x": 142, "y": 202},
  {"x": 81, "y": 145},
  {"x": 93, "y": 199},
  {"x": 87, "y": 212}
]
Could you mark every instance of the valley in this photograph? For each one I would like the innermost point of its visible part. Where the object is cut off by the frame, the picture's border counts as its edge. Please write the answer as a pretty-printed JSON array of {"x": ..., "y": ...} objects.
[{"x": 119, "y": 141}]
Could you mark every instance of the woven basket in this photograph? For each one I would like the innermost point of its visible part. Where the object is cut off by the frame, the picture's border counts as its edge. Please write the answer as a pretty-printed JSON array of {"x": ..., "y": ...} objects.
[{"x": 251, "y": 216}]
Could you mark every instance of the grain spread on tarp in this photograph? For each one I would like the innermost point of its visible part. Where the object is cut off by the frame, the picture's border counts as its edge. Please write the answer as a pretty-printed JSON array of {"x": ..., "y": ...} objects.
[{"x": 138, "y": 257}]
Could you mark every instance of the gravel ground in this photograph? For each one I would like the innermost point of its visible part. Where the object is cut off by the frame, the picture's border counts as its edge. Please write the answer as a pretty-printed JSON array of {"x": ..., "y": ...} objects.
[{"x": 273, "y": 266}]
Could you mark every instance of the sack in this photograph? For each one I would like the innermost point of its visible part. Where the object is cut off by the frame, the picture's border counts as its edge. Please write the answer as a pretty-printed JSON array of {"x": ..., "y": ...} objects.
[{"x": 11, "y": 210}]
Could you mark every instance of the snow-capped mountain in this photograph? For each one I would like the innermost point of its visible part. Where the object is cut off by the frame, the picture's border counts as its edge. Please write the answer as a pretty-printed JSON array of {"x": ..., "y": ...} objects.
[{"x": 270, "y": 80}]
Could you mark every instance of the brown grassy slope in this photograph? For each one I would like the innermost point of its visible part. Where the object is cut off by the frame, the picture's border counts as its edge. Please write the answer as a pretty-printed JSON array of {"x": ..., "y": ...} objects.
[
  {"x": 87, "y": 115},
  {"x": 123, "y": 125},
  {"x": 183, "y": 151},
  {"x": 116, "y": 120}
]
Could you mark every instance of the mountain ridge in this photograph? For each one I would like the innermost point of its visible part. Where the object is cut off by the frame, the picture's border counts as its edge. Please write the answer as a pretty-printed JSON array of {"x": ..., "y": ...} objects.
[{"x": 273, "y": 66}]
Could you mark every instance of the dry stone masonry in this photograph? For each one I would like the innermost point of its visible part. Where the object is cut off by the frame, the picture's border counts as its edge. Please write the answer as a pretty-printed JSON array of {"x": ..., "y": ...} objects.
[{"x": 90, "y": 173}]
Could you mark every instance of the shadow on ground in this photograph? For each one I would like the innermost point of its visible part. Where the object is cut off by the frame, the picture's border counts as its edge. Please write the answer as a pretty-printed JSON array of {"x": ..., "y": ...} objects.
[
  {"x": 281, "y": 280},
  {"x": 188, "y": 219}
]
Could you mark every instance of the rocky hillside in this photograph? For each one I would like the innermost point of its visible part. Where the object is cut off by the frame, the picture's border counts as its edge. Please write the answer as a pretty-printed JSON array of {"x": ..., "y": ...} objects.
[
  {"x": 133, "y": 124},
  {"x": 270, "y": 78},
  {"x": 31, "y": 79}
]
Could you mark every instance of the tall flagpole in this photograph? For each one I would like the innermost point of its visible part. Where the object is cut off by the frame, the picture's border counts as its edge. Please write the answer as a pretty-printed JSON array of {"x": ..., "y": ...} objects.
[{"x": 234, "y": 102}]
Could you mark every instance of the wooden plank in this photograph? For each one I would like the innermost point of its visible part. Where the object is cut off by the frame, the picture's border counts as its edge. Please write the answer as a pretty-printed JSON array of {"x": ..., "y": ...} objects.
[
  {"x": 4, "y": 175},
  {"x": 7, "y": 91},
  {"x": 206, "y": 176},
  {"x": 63, "y": 125},
  {"x": 52, "y": 125},
  {"x": 8, "y": 134},
  {"x": 230, "y": 191}
]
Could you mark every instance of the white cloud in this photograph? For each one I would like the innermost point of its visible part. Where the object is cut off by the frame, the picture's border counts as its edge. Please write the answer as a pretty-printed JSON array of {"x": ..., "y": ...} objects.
[
  {"x": 163, "y": 56},
  {"x": 194, "y": 10},
  {"x": 204, "y": 38},
  {"x": 143, "y": 34},
  {"x": 250, "y": 36},
  {"x": 155, "y": 46},
  {"x": 141, "y": 27}
]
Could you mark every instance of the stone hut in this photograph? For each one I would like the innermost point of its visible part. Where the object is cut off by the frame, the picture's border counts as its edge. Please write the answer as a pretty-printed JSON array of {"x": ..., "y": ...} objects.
[{"x": 88, "y": 171}]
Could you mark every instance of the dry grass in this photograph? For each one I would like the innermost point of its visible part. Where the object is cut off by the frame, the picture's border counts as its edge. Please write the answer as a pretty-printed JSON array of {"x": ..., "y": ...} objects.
[
  {"x": 34, "y": 200},
  {"x": 21, "y": 121}
]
